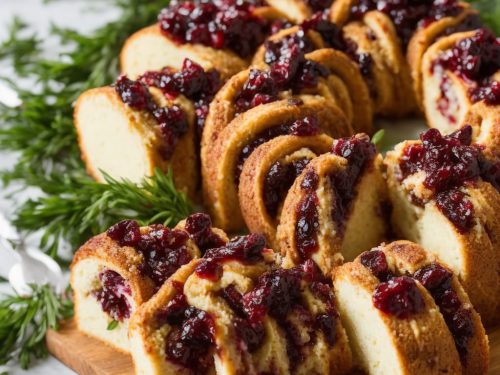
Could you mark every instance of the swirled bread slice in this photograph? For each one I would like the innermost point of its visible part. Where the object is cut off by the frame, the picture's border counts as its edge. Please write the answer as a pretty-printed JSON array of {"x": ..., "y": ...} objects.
[
  {"x": 112, "y": 278},
  {"x": 150, "y": 49},
  {"x": 451, "y": 88},
  {"x": 127, "y": 143},
  {"x": 375, "y": 35},
  {"x": 268, "y": 174},
  {"x": 335, "y": 196},
  {"x": 407, "y": 333},
  {"x": 424, "y": 37},
  {"x": 236, "y": 312},
  {"x": 460, "y": 316},
  {"x": 223, "y": 158},
  {"x": 444, "y": 202}
]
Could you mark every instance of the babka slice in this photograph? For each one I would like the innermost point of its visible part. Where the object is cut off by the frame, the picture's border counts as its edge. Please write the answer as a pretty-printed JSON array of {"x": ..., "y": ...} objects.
[
  {"x": 223, "y": 159},
  {"x": 445, "y": 197},
  {"x": 268, "y": 174},
  {"x": 223, "y": 38},
  {"x": 128, "y": 130},
  {"x": 420, "y": 319},
  {"x": 425, "y": 35},
  {"x": 460, "y": 316},
  {"x": 458, "y": 71},
  {"x": 236, "y": 312},
  {"x": 374, "y": 40},
  {"x": 110, "y": 277},
  {"x": 336, "y": 195}
]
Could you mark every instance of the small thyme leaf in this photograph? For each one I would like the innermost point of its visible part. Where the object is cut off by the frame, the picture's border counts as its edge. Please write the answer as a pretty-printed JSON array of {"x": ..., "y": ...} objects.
[
  {"x": 24, "y": 322},
  {"x": 378, "y": 136},
  {"x": 112, "y": 325}
]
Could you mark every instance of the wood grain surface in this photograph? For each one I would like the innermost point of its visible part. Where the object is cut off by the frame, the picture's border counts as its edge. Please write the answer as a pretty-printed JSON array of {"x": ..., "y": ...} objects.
[{"x": 88, "y": 356}]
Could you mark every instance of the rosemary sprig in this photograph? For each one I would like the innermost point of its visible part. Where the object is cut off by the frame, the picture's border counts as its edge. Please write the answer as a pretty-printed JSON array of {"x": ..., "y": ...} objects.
[
  {"x": 76, "y": 208},
  {"x": 24, "y": 322}
]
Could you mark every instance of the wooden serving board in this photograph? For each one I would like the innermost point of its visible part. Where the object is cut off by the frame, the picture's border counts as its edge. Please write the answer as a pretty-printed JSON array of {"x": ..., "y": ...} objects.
[{"x": 88, "y": 356}]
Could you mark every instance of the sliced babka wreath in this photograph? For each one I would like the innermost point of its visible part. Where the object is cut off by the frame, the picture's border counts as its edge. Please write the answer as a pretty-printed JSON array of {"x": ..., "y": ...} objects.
[
  {"x": 335, "y": 196},
  {"x": 268, "y": 174},
  {"x": 458, "y": 71},
  {"x": 344, "y": 81},
  {"x": 373, "y": 37},
  {"x": 445, "y": 196},
  {"x": 223, "y": 159},
  {"x": 223, "y": 38},
  {"x": 128, "y": 130},
  {"x": 115, "y": 272},
  {"x": 425, "y": 35},
  {"x": 235, "y": 311},
  {"x": 399, "y": 289}
]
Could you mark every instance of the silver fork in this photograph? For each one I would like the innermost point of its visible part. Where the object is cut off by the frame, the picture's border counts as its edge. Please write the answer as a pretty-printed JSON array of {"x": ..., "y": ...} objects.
[{"x": 23, "y": 265}]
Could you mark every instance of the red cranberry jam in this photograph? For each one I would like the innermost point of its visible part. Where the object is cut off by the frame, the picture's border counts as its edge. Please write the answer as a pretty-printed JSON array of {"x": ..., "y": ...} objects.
[
  {"x": 278, "y": 293},
  {"x": 305, "y": 127},
  {"x": 399, "y": 297},
  {"x": 450, "y": 162},
  {"x": 163, "y": 250},
  {"x": 290, "y": 71},
  {"x": 246, "y": 249},
  {"x": 408, "y": 15},
  {"x": 192, "y": 81},
  {"x": 278, "y": 180},
  {"x": 219, "y": 24},
  {"x": 475, "y": 59},
  {"x": 437, "y": 280},
  {"x": 172, "y": 122},
  {"x": 376, "y": 262},
  {"x": 307, "y": 225},
  {"x": 113, "y": 295},
  {"x": 359, "y": 152},
  {"x": 250, "y": 334},
  {"x": 199, "y": 227},
  {"x": 191, "y": 338}
]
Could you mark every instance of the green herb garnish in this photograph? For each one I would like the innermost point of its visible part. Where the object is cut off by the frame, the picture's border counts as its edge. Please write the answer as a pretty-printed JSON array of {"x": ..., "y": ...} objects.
[
  {"x": 24, "y": 322},
  {"x": 378, "y": 136},
  {"x": 112, "y": 325},
  {"x": 77, "y": 208}
]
